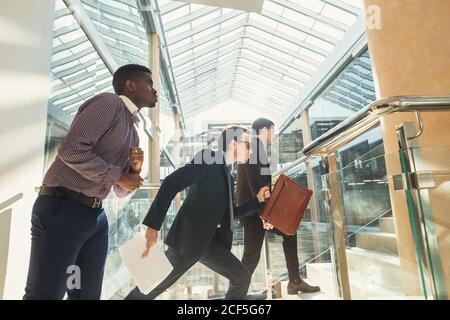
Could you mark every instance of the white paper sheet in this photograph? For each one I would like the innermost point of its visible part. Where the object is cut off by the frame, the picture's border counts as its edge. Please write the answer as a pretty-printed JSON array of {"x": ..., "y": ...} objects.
[{"x": 147, "y": 272}]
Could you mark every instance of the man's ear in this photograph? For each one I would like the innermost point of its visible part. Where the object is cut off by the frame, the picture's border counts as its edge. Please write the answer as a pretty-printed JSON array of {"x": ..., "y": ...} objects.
[{"x": 130, "y": 85}]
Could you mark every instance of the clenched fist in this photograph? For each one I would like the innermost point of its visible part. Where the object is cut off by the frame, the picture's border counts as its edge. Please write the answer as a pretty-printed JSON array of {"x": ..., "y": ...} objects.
[
  {"x": 263, "y": 194},
  {"x": 136, "y": 157}
]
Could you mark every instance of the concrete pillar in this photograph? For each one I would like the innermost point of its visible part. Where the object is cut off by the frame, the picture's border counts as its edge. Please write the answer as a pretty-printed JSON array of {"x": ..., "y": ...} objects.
[
  {"x": 410, "y": 49},
  {"x": 410, "y": 52}
]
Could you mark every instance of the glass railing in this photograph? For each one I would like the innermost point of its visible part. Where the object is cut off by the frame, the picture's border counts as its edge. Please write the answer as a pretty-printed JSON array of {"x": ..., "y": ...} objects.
[
  {"x": 313, "y": 235},
  {"x": 125, "y": 216},
  {"x": 373, "y": 266},
  {"x": 379, "y": 251},
  {"x": 424, "y": 177}
]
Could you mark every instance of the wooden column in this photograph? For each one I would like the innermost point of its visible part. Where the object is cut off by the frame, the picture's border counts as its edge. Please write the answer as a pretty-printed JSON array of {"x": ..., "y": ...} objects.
[
  {"x": 306, "y": 132},
  {"x": 154, "y": 146},
  {"x": 340, "y": 234}
]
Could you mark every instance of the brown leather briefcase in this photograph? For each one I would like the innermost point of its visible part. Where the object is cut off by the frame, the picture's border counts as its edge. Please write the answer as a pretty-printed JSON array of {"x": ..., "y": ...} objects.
[{"x": 287, "y": 205}]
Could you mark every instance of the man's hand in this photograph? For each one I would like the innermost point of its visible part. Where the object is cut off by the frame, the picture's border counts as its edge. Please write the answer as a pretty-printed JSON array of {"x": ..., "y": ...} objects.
[
  {"x": 130, "y": 181},
  {"x": 263, "y": 194},
  {"x": 136, "y": 157},
  {"x": 151, "y": 235},
  {"x": 267, "y": 225}
]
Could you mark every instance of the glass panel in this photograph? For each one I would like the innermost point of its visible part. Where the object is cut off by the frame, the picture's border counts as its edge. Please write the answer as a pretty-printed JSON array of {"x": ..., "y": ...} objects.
[
  {"x": 206, "y": 18},
  {"x": 124, "y": 216},
  {"x": 120, "y": 25},
  {"x": 326, "y": 29},
  {"x": 298, "y": 17},
  {"x": 314, "y": 240},
  {"x": 338, "y": 15},
  {"x": 427, "y": 198},
  {"x": 288, "y": 145},
  {"x": 314, "y": 5},
  {"x": 167, "y": 118},
  {"x": 273, "y": 7},
  {"x": 361, "y": 188},
  {"x": 351, "y": 90},
  {"x": 176, "y": 14}
]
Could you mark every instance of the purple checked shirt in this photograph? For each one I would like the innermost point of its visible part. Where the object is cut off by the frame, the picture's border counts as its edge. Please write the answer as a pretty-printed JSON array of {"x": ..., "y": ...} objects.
[{"x": 95, "y": 151}]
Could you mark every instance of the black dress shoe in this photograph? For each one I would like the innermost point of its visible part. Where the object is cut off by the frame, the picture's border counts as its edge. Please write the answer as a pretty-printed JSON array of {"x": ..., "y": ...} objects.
[{"x": 302, "y": 286}]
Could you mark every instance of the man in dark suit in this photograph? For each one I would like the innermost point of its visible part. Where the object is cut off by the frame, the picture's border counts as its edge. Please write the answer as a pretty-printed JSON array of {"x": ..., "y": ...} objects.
[
  {"x": 203, "y": 228},
  {"x": 251, "y": 176}
]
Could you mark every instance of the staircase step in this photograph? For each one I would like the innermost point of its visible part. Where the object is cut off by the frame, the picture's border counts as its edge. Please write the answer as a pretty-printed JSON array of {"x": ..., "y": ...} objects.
[
  {"x": 380, "y": 241},
  {"x": 321, "y": 274},
  {"x": 387, "y": 224},
  {"x": 365, "y": 287},
  {"x": 380, "y": 267}
]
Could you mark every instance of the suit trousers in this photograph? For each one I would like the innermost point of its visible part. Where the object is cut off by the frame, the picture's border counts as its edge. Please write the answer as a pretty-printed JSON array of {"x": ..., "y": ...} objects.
[
  {"x": 253, "y": 240},
  {"x": 69, "y": 244},
  {"x": 217, "y": 258}
]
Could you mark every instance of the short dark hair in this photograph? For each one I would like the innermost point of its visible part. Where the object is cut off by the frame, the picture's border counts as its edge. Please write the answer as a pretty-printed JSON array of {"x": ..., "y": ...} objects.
[
  {"x": 230, "y": 133},
  {"x": 261, "y": 123},
  {"x": 127, "y": 72}
]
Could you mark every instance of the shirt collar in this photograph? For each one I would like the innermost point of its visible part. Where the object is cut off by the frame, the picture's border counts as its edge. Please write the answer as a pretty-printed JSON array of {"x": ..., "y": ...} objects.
[{"x": 131, "y": 107}]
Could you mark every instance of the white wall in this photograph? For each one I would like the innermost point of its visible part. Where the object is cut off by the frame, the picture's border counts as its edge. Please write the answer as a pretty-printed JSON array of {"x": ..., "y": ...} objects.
[{"x": 25, "y": 52}]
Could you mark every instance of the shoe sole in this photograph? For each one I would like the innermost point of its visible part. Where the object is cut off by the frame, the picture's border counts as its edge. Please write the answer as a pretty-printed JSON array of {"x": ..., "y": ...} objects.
[{"x": 291, "y": 292}]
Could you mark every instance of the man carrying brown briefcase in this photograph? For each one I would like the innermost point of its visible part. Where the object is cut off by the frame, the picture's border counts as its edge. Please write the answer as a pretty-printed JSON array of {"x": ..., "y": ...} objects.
[{"x": 250, "y": 178}]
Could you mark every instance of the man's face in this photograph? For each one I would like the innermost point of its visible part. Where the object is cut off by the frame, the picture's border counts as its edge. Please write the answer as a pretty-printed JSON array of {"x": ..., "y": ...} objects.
[
  {"x": 242, "y": 148},
  {"x": 145, "y": 95}
]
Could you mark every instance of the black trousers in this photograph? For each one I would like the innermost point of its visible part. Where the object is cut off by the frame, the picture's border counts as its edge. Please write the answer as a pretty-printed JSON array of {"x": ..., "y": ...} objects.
[
  {"x": 217, "y": 258},
  {"x": 69, "y": 241},
  {"x": 253, "y": 240}
]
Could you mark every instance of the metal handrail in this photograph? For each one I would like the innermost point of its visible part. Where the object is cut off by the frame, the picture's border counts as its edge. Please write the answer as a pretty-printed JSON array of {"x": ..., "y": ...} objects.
[
  {"x": 290, "y": 166},
  {"x": 150, "y": 186},
  {"x": 410, "y": 103},
  {"x": 370, "y": 116},
  {"x": 10, "y": 201}
]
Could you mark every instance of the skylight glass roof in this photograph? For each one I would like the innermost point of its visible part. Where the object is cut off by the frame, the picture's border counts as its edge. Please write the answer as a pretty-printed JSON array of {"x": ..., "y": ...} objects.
[
  {"x": 77, "y": 71},
  {"x": 263, "y": 60}
]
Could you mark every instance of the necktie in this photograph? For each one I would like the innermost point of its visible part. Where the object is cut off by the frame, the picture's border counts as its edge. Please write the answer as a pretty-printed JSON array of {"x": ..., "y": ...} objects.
[{"x": 230, "y": 197}]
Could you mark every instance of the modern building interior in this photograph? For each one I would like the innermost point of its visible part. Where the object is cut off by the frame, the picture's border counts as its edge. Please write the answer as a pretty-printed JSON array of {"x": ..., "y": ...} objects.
[{"x": 359, "y": 91}]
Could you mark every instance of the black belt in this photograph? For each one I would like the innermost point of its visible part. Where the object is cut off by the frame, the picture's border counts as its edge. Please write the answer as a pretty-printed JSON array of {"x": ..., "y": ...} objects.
[{"x": 91, "y": 202}]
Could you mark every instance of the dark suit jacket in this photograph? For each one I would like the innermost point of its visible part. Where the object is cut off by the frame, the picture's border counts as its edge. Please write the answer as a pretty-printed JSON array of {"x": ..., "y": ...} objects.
[
  {"x": 253, "y": 175},
  {"x": 206, "y": 205}
]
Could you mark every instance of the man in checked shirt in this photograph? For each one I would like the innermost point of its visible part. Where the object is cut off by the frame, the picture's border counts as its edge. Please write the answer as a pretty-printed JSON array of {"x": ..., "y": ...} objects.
[{"x": 101, "y": 150}]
